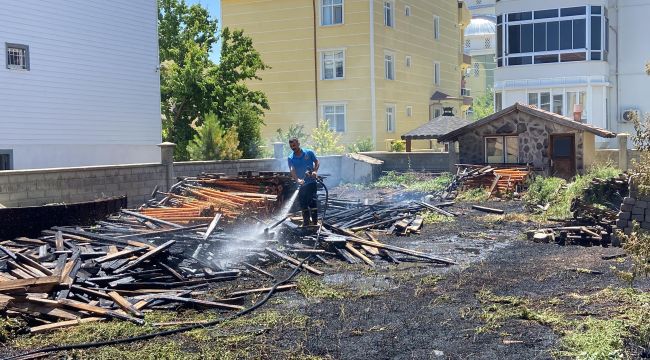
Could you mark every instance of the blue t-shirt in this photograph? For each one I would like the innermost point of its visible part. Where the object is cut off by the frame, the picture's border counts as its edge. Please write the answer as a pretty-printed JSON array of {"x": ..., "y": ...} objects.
[{"x": 302, "y": 163}]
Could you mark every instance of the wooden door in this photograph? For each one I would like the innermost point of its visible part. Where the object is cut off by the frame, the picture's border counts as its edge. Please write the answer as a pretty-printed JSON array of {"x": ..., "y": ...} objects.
[{"x": 563, "y": 155}]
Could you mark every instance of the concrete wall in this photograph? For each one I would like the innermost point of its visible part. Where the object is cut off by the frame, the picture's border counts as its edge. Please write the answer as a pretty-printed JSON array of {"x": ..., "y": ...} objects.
[
  {"x": 413, "y": 161},
  {"x": 359, "y": 168},
  {"x": 67, "y": 185}
]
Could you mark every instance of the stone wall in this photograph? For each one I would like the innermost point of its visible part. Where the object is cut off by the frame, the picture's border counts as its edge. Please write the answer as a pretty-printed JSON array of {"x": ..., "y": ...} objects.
[{"x": 533, "y": 134}]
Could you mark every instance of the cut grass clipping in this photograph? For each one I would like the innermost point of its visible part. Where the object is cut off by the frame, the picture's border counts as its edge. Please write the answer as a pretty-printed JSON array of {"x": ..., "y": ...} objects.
[
  {"x": 313, "y": 288},
  {"x": 413, "y": 181}
]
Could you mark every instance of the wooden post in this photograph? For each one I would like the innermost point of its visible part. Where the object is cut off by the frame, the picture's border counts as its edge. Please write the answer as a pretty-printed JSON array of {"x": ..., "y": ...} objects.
[{"x": 408, "y": 145}]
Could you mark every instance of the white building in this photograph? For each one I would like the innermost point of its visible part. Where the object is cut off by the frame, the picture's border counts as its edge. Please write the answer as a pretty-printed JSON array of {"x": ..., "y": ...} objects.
[
  {"x": 78, "y": 83},
  {"x": 556, "y": 54}
]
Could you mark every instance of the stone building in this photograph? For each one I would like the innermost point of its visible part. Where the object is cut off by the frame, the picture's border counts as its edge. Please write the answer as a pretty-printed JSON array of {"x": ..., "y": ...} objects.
[{"x": 520, "y": 134}]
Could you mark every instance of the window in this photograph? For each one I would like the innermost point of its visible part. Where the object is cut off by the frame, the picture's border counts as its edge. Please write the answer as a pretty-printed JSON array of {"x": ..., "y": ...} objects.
[
  {"x": 390, "y": 118},
  {"x": 407, "y": 10},
  {"x": 389, "y": 19},
  {"x": 335, "y": 116},
  {"x": 498, "y": 101},
  {"x": 540, "y": 100},
  {"x": 17, "y": 57},
  {"x": 436, "y": 73},
  {"x": 502, "y": 150},
  {"x": 389, "y": 65},
  {"x": 468, "y": 43},
  {"x": 6, "y": 159},
  {"x": 576, "y": 97},
  {"x": 408, "y": 61},
  {"x": 333, "y": 65},
  {"x": 488, "y": 43},
  {"x": 409, "y": 111},
  {"x": 551, "y": 36},
  {"x": 477, "y": 68},
  {"x": 558, "y": 104},
  {"x": 436, "y": 27},
  {"x": 437, "y": 112},
  {"x": 331, "y": 12}
]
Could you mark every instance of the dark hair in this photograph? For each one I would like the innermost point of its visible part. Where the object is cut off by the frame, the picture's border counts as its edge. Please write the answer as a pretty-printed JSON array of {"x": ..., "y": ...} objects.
[{"x": 293, "y": 140}]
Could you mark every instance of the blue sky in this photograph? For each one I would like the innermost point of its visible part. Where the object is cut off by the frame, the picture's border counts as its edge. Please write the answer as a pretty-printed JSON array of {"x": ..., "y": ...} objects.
[{"x": 214, "y": 6}]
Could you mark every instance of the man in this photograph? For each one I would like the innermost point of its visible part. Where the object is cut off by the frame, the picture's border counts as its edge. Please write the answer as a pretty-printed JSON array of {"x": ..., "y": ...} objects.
[{"x": 304, "y": 165}]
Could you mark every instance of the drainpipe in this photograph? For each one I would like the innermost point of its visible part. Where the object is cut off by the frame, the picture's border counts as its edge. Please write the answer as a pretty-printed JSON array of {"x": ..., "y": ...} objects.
[
  {"x": 373, "y": 97},
  {"x": 313, "y": 5},
  {"x": 618, "y": 85}
]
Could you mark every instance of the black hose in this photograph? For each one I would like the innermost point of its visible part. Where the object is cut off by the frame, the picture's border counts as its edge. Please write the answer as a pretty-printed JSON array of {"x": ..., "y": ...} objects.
[
  {"x": 327, "y": 196},
  {"x": 167, "y": 332}
]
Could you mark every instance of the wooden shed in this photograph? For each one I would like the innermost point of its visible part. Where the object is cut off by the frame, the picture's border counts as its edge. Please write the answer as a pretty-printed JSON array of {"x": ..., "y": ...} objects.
[
  {"x": 435, "y": 128},
  {"x": 520, "y": 134}
]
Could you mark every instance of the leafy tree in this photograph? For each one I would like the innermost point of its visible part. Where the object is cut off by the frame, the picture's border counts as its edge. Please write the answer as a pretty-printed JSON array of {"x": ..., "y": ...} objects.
[
  {"x": 211, "y": 142},
  {"x": 362, "y": 145},
  {"x": 483, "y": 105},
  {"x": 193, "y": 86},
  {"x": 398, "y": 146},
  {"x": 325, "y": 141}
]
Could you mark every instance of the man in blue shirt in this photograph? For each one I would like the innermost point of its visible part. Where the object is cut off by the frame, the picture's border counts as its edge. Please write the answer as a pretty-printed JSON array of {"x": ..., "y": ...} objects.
[{"x": 304, "y": 165}]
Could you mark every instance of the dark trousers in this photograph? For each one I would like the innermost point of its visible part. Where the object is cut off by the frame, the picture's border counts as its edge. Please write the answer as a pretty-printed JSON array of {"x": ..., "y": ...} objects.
[{"x": 308, "y": 203}]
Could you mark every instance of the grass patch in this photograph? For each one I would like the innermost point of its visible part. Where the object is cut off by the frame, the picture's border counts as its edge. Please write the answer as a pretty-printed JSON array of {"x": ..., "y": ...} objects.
[
  {"x": 558, "y": 193},
  {"x": 473, "y": 195},
  {"x": 432, "y": 217},
  {"x": 313, "y": 288},
  {"x": 595, "y": 340},
  {"x": 506, "y": 218},
  {"x": 413, "y": 181}
]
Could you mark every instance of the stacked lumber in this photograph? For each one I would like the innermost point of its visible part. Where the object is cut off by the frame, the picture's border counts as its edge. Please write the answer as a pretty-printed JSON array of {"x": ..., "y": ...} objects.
[
  {"x": 497, "y": 181},
  {"x": 198, "y": 200}
]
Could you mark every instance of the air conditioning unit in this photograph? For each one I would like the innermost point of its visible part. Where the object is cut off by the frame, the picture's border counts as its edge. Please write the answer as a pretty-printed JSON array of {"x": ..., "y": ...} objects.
[{"x": 631, "y": 114}]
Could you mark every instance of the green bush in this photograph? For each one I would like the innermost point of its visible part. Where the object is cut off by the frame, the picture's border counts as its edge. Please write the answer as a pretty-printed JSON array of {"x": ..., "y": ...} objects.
[
  {"x": 398, "y": 146},
  {"x": 212, "y": 142},
  {"x": 362, "y": 145},
  {"x": 325, "y": 141}
]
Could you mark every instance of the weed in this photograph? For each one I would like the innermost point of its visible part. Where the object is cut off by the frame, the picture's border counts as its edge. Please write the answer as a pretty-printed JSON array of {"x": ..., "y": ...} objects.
[
  {"x": 311, "y": 287},
  {"x": 431, "y": 217},
  {"x": 413, "y": 181},
  {"x": 473, "y": 195},
  {"x": 594, "y": 339}
]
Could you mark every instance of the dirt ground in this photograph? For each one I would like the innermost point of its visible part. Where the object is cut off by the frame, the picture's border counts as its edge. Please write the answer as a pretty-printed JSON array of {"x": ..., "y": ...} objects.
[{"x": 508, "y": 298}]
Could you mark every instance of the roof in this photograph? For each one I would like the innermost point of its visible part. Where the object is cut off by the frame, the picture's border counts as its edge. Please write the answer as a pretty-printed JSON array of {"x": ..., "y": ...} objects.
[
  {"x": 440, "y": 96},
  {"x": 436, "y": 128},
  {"x": 542, "y": 114},
  {"x": 482, "y": 25}
]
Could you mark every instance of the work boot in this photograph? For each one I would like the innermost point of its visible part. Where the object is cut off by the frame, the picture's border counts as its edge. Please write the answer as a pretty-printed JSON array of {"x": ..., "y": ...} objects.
[
  {"x": 314, "y": 217},
  {"x": 305, "y": 218}
]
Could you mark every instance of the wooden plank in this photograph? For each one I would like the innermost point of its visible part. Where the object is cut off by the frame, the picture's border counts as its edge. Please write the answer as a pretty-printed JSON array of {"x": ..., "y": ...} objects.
[
  {"x": 152, "y": 219},
  {"x": 199, "y": 303},
  {"x": 41, "y": 307},
  {"x": 119, "y": 254},
  {"x": 261, "y": 290},
  {"x": 293, "y": 261},
  {"x": 358, "y": 254},
  {"x": 63, "y": 324},
  {"x": 403, "y": 251},
  {"x": 58, "y": 240},
  {"x": 31, "y": 262},
  {"x": 148, "y": 255},
  {"x": 99, "y": 311},
  {"x": 487, "y": 209},
  {"x": 124, "y": 304},
  {"x": 213, "y": 225}
]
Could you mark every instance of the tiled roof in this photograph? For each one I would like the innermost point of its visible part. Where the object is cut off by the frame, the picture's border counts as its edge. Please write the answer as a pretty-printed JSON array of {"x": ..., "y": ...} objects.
[
  {"x": 542, "y": 114},
  {"x": 436, "y": 128}
]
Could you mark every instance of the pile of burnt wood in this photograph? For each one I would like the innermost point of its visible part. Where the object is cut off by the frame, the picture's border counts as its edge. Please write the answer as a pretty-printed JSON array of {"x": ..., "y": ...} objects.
[{"x": 132, "y": 262}]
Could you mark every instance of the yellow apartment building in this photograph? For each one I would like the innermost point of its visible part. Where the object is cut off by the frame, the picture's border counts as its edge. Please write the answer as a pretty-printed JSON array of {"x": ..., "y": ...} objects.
[{"x": 373, "y": 68}]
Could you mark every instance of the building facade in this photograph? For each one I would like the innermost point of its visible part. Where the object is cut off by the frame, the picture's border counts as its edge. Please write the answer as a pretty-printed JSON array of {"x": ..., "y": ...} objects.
[
  {"x": 80, "y": 84},
  {"x": 578, "y": 58},
  {"x": 480, "y": 44},
  {"x": 368, "y": 67}
]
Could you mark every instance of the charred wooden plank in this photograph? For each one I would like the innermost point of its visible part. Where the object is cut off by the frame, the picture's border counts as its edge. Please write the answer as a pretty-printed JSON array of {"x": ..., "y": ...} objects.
[
  {"x": 125, "y": 304},
  {"x": 150, "y": 254},
  {"x": 487, "y": 209},
  {"x": 293, "y": 261},
  {"x": 63, "y": 324}
]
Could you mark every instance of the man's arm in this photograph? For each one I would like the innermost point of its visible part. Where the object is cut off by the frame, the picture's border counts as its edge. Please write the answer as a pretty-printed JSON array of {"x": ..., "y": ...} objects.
[{"x": 295, "y": 178}]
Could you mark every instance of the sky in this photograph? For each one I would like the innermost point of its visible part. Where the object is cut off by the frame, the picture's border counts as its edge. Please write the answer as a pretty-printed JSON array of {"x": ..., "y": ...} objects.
[{"x": 214, "y": 6}]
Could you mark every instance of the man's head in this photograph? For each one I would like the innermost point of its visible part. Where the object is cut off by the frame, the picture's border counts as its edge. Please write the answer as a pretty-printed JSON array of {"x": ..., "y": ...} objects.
[{"x": 294, "y": 144}]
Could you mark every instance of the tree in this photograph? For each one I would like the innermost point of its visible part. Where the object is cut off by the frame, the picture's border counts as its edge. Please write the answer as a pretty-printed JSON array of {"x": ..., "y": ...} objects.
[
  {"x": 192, "y": 86},
  {"x": 362, "y": 145},
  {"x": 294, "y": 131},
  {"x": 483, "y": 105},
  {"x": 211, "y": 142},
  {"x": 325, "y": 141}
]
